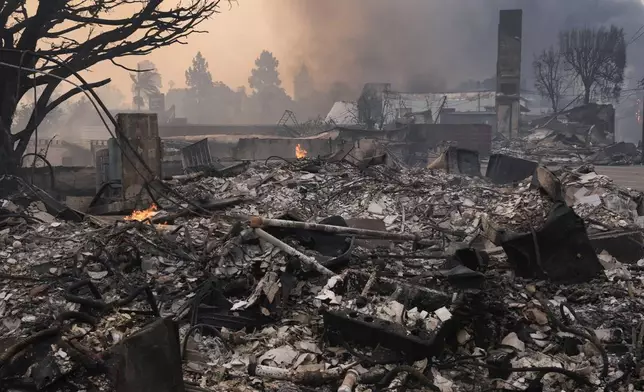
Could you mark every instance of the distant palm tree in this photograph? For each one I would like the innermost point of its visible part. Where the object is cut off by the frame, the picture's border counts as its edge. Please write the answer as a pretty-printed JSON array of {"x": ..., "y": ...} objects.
[{"x": 145, "y": 82}]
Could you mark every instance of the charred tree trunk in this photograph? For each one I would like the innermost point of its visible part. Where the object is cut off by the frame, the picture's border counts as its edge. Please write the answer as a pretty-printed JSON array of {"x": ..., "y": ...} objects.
[
  {"x": 10, "y": 93},
  {"x": 586, "y": 95}
]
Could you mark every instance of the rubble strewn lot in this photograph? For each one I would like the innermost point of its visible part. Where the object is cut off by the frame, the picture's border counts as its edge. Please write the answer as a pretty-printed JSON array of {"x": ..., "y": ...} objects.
[
  {"x": 415, "y": 279},
  {"x": 583, "y": 134}
]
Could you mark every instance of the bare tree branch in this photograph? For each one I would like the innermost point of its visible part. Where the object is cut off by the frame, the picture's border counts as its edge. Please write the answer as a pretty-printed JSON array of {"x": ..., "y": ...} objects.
[
  {"x": 551, "y": 79},
  {"x": 597, "y": 57},
  {"x": 128, "y": 68},
  {"x": 73, "y": 92},
  {"x": 43, "y": 109},
  {"x": 81, "y": 34}
]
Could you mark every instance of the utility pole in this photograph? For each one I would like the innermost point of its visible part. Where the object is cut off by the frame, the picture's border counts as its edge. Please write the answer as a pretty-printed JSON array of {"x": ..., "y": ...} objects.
[{"x": 641, "y": 117}]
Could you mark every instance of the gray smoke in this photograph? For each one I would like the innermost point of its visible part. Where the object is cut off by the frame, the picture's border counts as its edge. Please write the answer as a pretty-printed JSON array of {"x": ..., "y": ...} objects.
[{"x": 412, "y": 43}]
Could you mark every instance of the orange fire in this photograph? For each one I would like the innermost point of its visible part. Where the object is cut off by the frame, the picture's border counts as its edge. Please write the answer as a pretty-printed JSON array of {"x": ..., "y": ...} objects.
[
  {"x": 300, "y": 153},
  {"x": 141, "y": 215}
]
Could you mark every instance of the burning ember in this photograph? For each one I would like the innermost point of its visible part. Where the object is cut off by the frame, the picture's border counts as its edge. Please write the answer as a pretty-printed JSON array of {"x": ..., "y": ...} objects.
[
  {"x": 142, "y": 214},
  {"x": 300, "y": 153}
]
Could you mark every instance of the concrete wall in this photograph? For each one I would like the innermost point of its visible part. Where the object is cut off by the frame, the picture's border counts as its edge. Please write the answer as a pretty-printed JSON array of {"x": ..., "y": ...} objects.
[
  {"x": 69, "y": 181},
  {"x": 422, "y": 137},
  {"x": 258, "y": 149},
  {"x": 205, "y": 130},
  {"x": 60, "y": 153},
  {"x": 476, "y": 137},
  {"x": 461, "y": 118},
  {"x": 222, "y": 150}
]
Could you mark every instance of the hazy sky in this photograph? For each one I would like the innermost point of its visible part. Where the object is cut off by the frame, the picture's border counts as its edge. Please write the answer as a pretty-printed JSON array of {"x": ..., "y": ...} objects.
[
  {"x": 405, "y": 42},
  {"x": 234, "y": 40}
]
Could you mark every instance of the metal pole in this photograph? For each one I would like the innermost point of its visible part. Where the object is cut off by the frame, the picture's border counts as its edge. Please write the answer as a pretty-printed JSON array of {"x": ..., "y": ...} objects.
[
  {"x": 642, "y": 141},
  {"x": 258, "y": 222},
  {"x": 311, "y": 261}
]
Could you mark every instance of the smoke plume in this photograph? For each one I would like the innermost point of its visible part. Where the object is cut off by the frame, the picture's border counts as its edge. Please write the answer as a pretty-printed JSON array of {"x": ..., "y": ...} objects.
[{"x": 420, "y": 44}]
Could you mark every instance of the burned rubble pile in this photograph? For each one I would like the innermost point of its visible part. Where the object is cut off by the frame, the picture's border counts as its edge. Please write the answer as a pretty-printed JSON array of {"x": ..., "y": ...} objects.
[
  {"x": 310, "y": 275},
  {"x": 583, "y": 134},
  {"x": 550, "y": 147}
]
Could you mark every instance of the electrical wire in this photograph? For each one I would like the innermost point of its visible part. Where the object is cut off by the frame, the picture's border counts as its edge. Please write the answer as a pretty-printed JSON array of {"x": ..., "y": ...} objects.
[
  {"x": 87, "y": 92},
  {"x": 633, "y": 39}
]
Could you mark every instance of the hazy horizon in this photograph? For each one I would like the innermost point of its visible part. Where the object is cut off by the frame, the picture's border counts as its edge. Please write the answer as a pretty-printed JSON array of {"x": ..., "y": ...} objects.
[{"x": 349, "y": 40}]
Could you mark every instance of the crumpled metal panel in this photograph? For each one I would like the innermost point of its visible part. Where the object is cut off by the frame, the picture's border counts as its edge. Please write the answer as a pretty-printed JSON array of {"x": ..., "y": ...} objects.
[
  {"x": 148, "y": 361},
  {"x": 196, "y": 155}
]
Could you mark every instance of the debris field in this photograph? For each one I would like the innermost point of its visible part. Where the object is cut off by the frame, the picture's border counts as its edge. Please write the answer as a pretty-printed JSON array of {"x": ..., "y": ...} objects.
[{"x": 311, "y": 275}]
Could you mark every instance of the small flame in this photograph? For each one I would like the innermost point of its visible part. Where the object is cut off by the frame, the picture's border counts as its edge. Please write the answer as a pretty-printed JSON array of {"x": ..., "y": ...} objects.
[
  {"x": 300, "y": 153},
  {"x": 141, "y": 215}
]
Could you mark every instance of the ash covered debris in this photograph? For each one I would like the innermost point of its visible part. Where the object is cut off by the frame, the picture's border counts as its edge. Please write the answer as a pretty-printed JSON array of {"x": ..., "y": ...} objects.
[
  {"x": 311, "y": 275},
  {"x": 583, "y": 134}
]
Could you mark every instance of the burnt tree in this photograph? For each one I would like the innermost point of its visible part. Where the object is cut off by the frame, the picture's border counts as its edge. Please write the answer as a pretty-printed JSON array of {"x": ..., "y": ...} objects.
[
  {"x": 550, "y": 77},
  {"x": 79, "y": 34},
  {"x": 597, "y": 57}
]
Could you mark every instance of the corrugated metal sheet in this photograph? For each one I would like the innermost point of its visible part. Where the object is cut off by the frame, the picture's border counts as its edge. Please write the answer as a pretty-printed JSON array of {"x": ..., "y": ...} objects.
[{"x": 196, "y": 155}]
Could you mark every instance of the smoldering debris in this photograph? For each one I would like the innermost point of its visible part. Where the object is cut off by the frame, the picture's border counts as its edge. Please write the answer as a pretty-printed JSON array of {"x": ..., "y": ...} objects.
[
  {"x": 583, "y": 134},
  {"x": 339, "y": 278}
]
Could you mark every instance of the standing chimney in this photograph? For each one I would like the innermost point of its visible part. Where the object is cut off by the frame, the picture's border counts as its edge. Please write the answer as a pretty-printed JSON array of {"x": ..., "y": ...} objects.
[{"x": 508, "y": 72}]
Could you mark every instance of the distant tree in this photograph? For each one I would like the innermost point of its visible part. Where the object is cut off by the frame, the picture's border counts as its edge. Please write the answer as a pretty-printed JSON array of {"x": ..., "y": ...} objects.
[
  {"x": 302, "y": 84},
  {"x": 550, "y": 77},
  {"x": 265, "y": 75},
  {"x": 597, "y": 58},
  {"x": 199, "y": 92},
  {"x": 145, "y": 82},
  {"x": 208, "y": 101},
  {"x": 269, "y": 100},
  {"x": 198, "y": 77}
]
